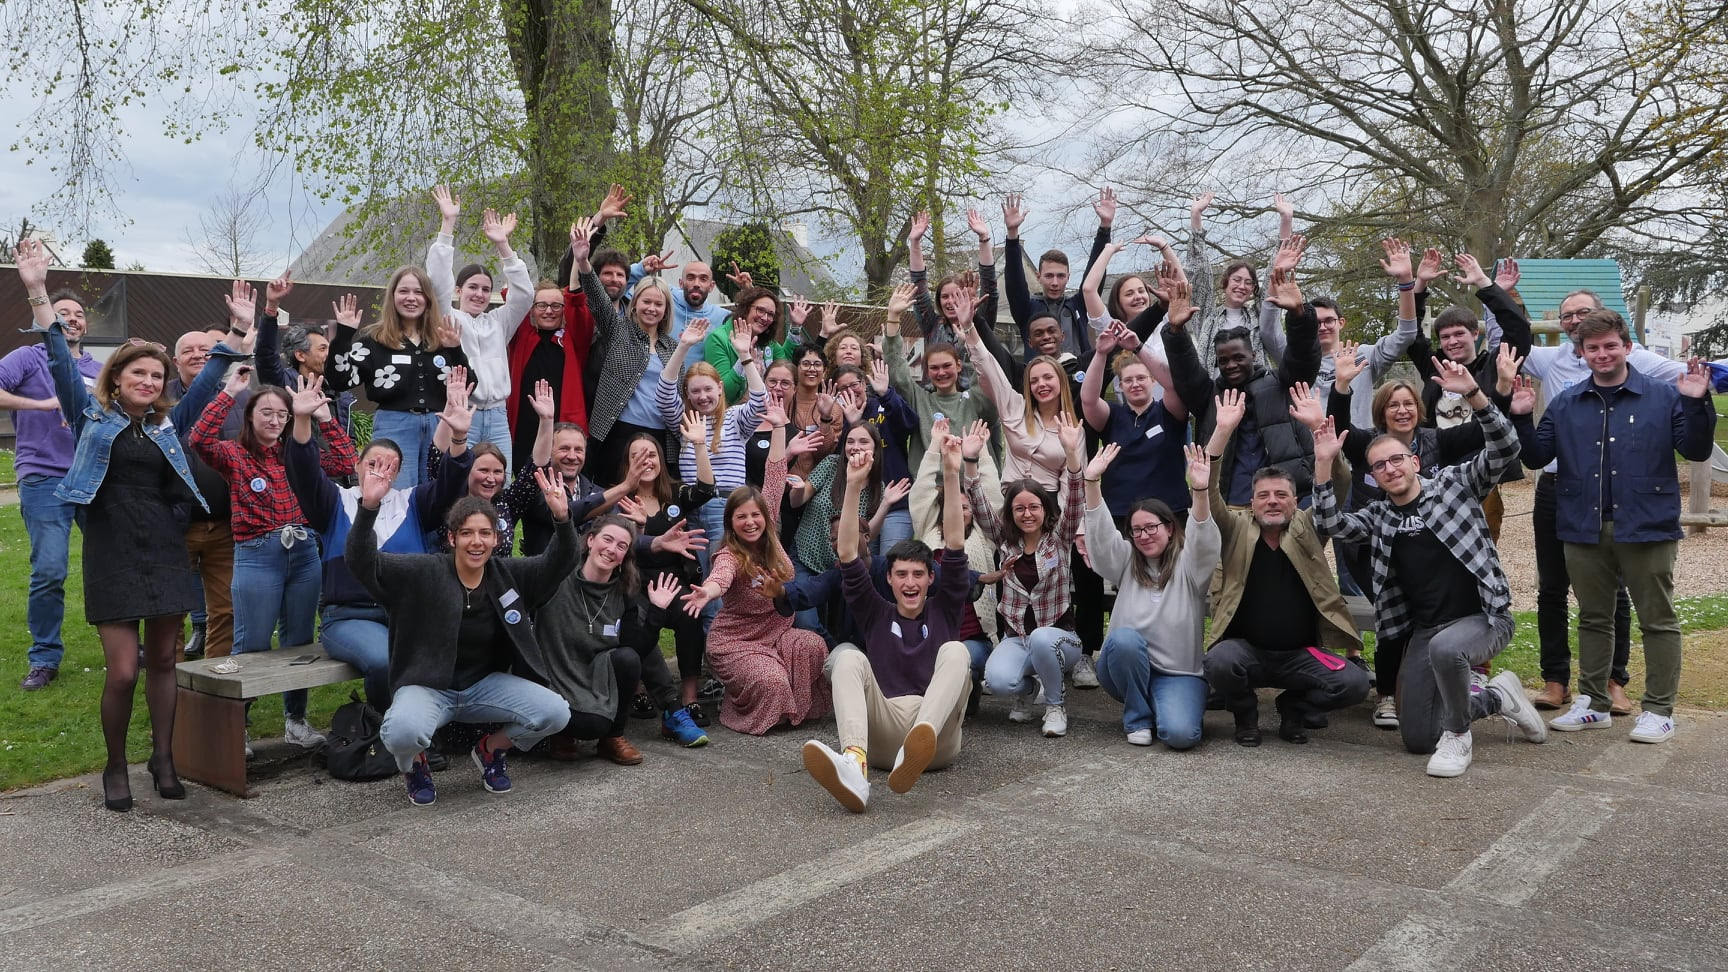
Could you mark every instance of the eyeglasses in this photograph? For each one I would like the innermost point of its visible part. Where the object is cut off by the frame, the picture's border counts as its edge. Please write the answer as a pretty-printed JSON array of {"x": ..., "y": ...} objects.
[
  {"x": 547, "y": 305},
  {"x": 272, "y": 414},
  {"x": 1390, "y": 461},
  {"x": 1577, "y": 314},
  {"x": 1147, "y": 529}
]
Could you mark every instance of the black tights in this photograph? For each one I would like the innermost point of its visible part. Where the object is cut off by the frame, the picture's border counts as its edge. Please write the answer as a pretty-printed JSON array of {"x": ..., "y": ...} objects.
[
  {"x": 626, "y": 671},
  {"x": 120, "y": 648}
]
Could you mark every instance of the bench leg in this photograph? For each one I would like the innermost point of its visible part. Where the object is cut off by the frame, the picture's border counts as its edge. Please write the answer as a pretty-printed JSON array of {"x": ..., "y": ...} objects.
[{"x": 210, "y": 741}]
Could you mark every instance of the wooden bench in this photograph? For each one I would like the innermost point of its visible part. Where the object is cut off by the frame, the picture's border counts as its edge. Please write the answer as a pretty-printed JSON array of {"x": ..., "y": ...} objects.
[
  {"x": 210, "y": 710},
  {"x": 1361, "y": 612}
]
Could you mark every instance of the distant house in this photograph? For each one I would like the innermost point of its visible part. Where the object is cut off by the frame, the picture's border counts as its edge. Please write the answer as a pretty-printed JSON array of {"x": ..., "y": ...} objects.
[{"x": 330, "y": 258}]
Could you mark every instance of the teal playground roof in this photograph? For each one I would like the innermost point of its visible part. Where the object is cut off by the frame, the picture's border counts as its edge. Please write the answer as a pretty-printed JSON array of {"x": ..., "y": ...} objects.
[{"x": 1544, "y": 283}]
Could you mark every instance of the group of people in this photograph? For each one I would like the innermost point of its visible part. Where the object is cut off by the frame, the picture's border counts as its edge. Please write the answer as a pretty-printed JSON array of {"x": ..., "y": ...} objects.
[{"x": 886, "y": 527}]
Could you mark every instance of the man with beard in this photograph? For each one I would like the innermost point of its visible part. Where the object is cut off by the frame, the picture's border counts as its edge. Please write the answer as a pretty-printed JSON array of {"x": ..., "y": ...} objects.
[{"x": 1277, "y": 617}]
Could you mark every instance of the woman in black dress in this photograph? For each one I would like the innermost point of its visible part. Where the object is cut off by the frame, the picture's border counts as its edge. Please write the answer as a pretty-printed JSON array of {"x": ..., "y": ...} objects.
[{"x": 130, "y": 474}]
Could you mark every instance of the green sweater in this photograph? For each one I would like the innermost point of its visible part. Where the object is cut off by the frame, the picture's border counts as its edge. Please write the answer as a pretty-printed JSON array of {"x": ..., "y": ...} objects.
[
  {"x": 717, "y": 351},
  {"x": 961, "y": 408}
]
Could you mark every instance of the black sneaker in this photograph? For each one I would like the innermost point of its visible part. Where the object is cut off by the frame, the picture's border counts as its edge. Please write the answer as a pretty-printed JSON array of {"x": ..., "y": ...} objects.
[
  {"x": 38, "y": 678},
  {"x": 697, "y": 714},
  {"x": 1248, "y": 726},
  {"x": 711, "y": 690},
  {"x": 643, "y": 707},
  {"x": 1290, "y": 720},
  {"x": 976, "y": 699},
  {"x": 195, "y": 644}
]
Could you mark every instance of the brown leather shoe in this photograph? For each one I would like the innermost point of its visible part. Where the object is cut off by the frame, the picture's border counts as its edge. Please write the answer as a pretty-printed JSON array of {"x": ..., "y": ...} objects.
[
  {"x": 618, "y": 750},
  {"x": 1619, "y": 703},
  {"x": 1552, "y": 696}
]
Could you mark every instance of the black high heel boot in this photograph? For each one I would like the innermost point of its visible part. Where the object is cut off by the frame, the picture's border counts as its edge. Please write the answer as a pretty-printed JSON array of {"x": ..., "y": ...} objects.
[
  {"x": 173, "y": 791},
  {"x": 119, "y": 804}
]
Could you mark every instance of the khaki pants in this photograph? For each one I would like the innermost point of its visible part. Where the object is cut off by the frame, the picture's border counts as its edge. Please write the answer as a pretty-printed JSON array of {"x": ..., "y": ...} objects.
[
  {"x": 1648, "y": 570},
  {"x": 211, "y": 546},
  {"x": 879, "y": 724}
]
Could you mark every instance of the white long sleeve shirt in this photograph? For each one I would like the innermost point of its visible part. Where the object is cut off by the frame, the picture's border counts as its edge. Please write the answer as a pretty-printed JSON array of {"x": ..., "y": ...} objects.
[{"x": 486, "y": 336}]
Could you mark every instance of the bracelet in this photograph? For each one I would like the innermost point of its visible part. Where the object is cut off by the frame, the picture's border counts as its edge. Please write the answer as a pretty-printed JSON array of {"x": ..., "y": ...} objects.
[
  {"x": 1098, "y": 480},
  {"x": 971, "y": 459},
  {"x": 41, "y": 300},
  {"x": 1407, "y": 286},
  {"x": 1214, "y": 458},
  {"x": 1196, "y": 489}
]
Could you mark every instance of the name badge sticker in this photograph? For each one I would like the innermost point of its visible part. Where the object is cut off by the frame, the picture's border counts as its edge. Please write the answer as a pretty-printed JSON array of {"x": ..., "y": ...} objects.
[
  {"x": 401, "y": 359},
  {"x": 510, "y": 597},
  {"x": 1155, "y": 431},
  {"x": 610, "y": 630}
]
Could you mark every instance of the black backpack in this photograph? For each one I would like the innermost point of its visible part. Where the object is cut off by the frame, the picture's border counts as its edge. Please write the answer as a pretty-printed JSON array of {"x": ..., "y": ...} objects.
[{"x": 352, "y": 751}]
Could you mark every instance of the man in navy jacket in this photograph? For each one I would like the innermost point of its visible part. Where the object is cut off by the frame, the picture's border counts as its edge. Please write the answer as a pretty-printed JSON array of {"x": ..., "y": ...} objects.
[{"x": 1619, "y": 512}]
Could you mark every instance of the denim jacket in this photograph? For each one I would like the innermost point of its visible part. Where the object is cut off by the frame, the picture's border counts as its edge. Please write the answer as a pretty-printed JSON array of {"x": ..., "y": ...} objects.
[
  {"x": 95, "y": 427},
  {"x": 1629, "y": 438}
]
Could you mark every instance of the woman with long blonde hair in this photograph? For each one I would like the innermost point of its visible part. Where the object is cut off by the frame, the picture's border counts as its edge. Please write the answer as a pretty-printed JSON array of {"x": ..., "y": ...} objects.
[
  {"x": 401, "y": 360},
  {"x": 771, "y": 670}
]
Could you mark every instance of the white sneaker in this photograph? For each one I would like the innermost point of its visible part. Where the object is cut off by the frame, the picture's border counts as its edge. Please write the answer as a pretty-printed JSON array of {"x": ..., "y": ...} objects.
[
  {"x": 1023, "y": 703},
  {"x": 1580, "y": 716},
  {"x": 1085, "y": 676},
  {"x": 914, "y": 757},
  {"x": 1653, "y": 728},
  {"x": 1140, "y": 737},
  {"x": 1451, "y": 755},
  {"x": 300, "y": 734},
  {"x": 839, "y": 775},
  {"x": 1386, "y": 712},
  {"x": 1515, "y": 708},
  {"x": 1055, "y": 721}
]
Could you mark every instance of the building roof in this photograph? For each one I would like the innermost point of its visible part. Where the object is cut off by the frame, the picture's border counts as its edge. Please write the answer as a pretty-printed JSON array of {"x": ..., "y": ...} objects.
[{"x": 1543, "y": 284}]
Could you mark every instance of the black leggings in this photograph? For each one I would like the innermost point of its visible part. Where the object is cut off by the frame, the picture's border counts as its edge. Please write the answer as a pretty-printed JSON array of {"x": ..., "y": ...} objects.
[
  {"x": 626, "y": 670},
  {"x": 687, "y": 636}
]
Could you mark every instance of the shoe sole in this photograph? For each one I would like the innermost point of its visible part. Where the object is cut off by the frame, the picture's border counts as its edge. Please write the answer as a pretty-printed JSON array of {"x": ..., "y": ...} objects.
[
  {"x": 1649, "y": 741},
  {"x": 1021, "y": 716},
  {"x": 483, "y": 781},
  {"x": 1448, "y": 774},
  {"x": 1052, "y": 734},
  {"x": 1579, "y": 726},
  {"x": 417, "y": 803},
  {"x": 917, "y": 752},
  {"x": 823, "y": 771},
  {"x": 687, "y": 745},
  {"x": 1384, "y": 723}
]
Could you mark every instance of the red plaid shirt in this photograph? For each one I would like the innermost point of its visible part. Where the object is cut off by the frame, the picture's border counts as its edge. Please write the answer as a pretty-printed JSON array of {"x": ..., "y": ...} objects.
[
  {"x": 1049, "y": 599},
  {"x": 258, "y": 485}
]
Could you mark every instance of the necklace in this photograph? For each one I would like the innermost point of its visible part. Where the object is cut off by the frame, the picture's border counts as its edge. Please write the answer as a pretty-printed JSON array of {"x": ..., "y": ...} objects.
[
  {"x": 590, "y": 617},
  {"x": 468, "y": 595}
]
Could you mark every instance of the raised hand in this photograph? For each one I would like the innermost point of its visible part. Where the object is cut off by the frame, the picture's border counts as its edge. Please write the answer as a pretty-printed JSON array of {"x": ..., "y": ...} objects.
[
  {"x": 1073, "y": 438},
  {"x": 375, "y": 479},
  {"x": 1304, "y": 407},
  {"x": 897, "y": 490},
  {"x": 1289, "y": 254},
  {"x": 458, "y": 414},
  {"x": 939, "y": 429},
  {"x": 656, "y": 262},
  {"x": 830, "y": 318},
  {"x": 1469, "y": 272},
  {"x": 919, "y": 226},
  {"x": 1506, "y": 275},
  {"x": 774, "y": 411},
  {"x": 743, "y": 342},
  {"x": 1228, "y": 408},
  {"x": 1180, "y": 298},
  {"x": 346, "y": 310},
  {"x": 242, "y": 302},
  {"x": 449, "y": 332},
  {"x": 858, "y": 468},
  {"x": 1107, "y": 454},
  {"x": 277, "y": 289},
  {"x": 1523, "y": 395},
  {"x": 879, "y": 377},
  {"x": 1433, "y": 265},
  {"x": 663, "y": 590},
  {"x": 613, "y": 206},
  {"x": 580, "y": 233},
  {"x": 1454, "y": 377},
  {"x": 1126, "y": 339},
  {"x": 1013, "y": 213},
  {"x": 1347, "y": 363},
  {"x": 1286, "y": 212},
  {"x": 1695, "y": 383},
  {"x": 696, "y": 599},
  {"x": 682, "y": 541},
  {"x": 1284, "y": 291},
  {"x": 32, "y": 260},
  {"x": 497, "y": 229},
  {"x": 951, "y": 455},
  {"x": 1198, "y": 207},
  {"x": 1328, "y": 442},
  {"x": 239, "y": 381},
  {"x": 544, "y": 404},
  {"x": 694, "y": 429},
  {"x": 976, "y": 223},
  {"x": 557, "y": 500},
  {"x": 630, "y": 508},
  {"x": 1396, "y": 262},
  {"x": 1105, "y": 207},
  {"x": 1199, "y": 466},
  {"x": 977, "y": 434},
  {"x": 740, "y": 278},
  {"x": 1508, "y": 362},
  {"x": 694, "y": 331},
  {"x": 798, "y": 310},
  {"x": 805, "y": 443},
  {"x": 825, "y": 400},
  {"x": 1107, "y": 341},
  {"x": 308, "y": 394},
  {"x": 965, "y": 305},
  {"x": 900, "y": 301},
  {"x": 449, "y": 206},
  {"x": 852, "y": 404}
]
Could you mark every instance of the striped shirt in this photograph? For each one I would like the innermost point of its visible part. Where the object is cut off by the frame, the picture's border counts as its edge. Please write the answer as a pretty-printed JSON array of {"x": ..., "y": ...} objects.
[{"x": 728, "y": 460}]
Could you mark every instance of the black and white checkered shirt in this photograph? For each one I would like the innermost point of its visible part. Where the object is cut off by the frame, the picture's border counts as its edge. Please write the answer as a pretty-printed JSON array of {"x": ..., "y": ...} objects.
[{"x": 1451, "y": 506}]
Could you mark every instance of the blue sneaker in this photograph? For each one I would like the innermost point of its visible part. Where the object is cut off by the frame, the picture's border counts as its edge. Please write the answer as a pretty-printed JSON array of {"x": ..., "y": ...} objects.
[
  {"x": 678, "y": 725},
  {"x": 421, "y": 793},
  {"x": 493, "y": 774}
]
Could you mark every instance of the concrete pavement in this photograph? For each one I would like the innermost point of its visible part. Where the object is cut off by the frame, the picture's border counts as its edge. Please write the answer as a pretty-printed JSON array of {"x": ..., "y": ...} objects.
[{"x": 1078, "y": 853}]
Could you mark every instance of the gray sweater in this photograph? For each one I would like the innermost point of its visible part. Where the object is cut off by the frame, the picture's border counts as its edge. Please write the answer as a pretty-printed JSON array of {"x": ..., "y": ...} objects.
[{"x": 1172, "y": 619}]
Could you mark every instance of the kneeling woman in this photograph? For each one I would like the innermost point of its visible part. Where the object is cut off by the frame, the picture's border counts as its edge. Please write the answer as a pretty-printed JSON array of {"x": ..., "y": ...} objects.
[
  {"x": 456, "y": 627},
  {"x": 1151, "y": 660},
  {"x": 599, "y": 639},
  {"x": 772, "y": 671}
]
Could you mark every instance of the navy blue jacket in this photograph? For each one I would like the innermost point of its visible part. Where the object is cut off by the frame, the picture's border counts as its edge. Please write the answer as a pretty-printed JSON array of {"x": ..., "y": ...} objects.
[{"x": 1628, "y": 436}]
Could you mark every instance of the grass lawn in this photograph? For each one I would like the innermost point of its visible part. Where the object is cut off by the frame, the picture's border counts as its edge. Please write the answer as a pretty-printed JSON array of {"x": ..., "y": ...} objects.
[{"x": 1721, "y": 426}]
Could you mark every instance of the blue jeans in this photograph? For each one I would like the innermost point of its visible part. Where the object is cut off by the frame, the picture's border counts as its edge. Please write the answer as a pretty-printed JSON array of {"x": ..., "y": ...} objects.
[
  {"x": 712, "y": 519},
  {"x": 979, "y": 649},
  {"x": 48, "y": 522},
  {"x": 1048, "y": 653},
  {"x": 1173, "y": 704},
  {"x": 412, "y": 432},
  {"x": 276, "y": 587},
  {"x": 896, "y": 526},
  {"x": 490, "y": 425},
  {"x": 531, "y": 713},
  {"x": 809, "y": 619},
  {"x": 360, "y": 635}
]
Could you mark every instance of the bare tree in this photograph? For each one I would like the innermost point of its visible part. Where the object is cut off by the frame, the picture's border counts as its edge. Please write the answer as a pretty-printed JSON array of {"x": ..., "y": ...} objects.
[
  {"x": 1535, "y": 127},
  {"x": 226, "y": 241}
]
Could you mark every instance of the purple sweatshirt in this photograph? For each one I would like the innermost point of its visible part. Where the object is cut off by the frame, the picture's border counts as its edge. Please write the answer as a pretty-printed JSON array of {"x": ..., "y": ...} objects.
[
  {"x": 902, "y": 651},
  {"x": 45, "y": 442}
]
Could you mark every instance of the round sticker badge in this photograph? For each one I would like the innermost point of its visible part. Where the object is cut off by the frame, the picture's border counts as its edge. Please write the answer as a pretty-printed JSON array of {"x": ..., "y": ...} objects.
[
  {"x": 438, "y": 360},
  {"x": 512, "y": 616},
  {"x": 761, "y": 443},
  {"x": 258, "y": 484},
  {"x": 672, "y": 510}
]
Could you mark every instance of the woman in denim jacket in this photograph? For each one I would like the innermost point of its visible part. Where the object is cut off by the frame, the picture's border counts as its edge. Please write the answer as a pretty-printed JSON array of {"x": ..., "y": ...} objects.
[{"x": 129, "y": 473}]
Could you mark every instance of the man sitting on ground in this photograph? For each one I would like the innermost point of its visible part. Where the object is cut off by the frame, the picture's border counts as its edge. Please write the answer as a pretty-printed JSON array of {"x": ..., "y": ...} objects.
[{"x": 909, "y": 681}]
